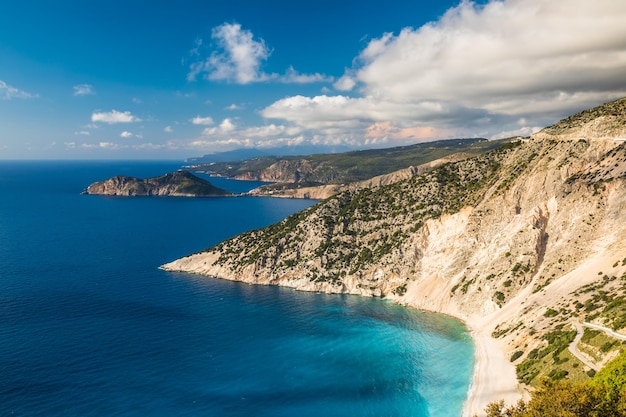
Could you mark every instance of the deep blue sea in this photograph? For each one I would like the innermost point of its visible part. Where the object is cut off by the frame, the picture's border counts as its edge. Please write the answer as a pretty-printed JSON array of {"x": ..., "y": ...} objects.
[{"x": 89, "y": 326}]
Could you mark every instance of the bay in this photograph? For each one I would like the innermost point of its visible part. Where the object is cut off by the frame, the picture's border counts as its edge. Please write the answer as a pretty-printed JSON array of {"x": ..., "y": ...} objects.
[{"x": 89, "y": 326}]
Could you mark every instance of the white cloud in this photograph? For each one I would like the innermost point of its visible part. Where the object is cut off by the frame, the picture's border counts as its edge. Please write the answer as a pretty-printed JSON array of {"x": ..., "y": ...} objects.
[
  {"x": 502, "y": 55},
  {"x": 112, "y": 146},
  {"x": 168, "y": 129},
  {"x": 114, "y": 116},
  {"x": 345, "y": 83},
  {"x": 293, "y": 76},
  {"x": 346, "y": 113},
  {"x": 83, "y": 90},
  {"x": 126, "y": 134},
  {"x": 475, "y": 72},
  {"x": 239, "y": 57},
  {"x": 238, "y": 60},
  {"x": 225, "y": 126},
  {"x": 8, "y": 92},
  {"x": 82, "y": 133},
  {"x": 199, "y": 120},
  {"x": 108, "y": 145},
  {"x": 233, "y": 107},
  {"x": 234, "y": 143},
  {"x": 270, "y": 130}
]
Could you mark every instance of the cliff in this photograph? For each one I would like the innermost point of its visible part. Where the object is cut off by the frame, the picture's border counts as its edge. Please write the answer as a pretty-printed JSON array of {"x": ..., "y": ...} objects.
[
  {"x": 321, "y": 192},
  {"x": 522, "y": 243},
  {"x": 176, "y": 184}
]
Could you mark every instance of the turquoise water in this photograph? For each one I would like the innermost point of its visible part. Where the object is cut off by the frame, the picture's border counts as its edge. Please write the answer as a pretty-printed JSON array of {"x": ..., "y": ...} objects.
[{"x": 89, "y": 326}]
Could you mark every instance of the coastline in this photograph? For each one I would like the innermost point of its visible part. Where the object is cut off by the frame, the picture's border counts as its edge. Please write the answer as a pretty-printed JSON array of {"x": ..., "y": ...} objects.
[{"x": 493, "y": 377}]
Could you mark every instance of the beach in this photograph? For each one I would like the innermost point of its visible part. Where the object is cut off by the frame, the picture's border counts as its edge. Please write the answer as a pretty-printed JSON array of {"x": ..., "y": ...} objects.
[{"x": 493, "y": 379}]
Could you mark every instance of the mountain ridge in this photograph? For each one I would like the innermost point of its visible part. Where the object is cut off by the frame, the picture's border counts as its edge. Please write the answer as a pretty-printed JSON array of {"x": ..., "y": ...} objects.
[{"x": 294, "y": 172}]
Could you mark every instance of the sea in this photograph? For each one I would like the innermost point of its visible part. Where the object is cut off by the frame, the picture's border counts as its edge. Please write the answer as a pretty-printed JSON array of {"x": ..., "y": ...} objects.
[{"x": 90, "y": 326}]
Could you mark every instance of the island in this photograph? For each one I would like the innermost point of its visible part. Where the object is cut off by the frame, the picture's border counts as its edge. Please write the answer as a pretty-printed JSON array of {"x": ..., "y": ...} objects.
[{"x": 175, "y": 184}]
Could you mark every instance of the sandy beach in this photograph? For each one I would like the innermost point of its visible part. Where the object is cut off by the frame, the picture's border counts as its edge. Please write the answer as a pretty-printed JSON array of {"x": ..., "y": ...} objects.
[{"x": 494, "y": 377}]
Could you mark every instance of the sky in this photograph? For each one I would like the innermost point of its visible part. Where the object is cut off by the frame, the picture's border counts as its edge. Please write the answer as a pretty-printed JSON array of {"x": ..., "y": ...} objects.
[{"x": 177, "y": 79}]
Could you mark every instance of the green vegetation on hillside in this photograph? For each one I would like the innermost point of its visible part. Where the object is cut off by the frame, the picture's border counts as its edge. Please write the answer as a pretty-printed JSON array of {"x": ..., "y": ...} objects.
[
  {"x": 348, "y": 167},
  {"x": 603, "y": 396},
  {"x": 357, "y": 229},
  {"x": 614, "y": 109},
  {"x": 550, "y": 361},
  {"x": 608, "y": 302}
]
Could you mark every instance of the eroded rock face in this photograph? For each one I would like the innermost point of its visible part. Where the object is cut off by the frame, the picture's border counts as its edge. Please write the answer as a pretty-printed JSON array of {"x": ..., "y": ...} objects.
[
  {"x": 321, "y": 192},
  {"x": 177, "y": 184}
]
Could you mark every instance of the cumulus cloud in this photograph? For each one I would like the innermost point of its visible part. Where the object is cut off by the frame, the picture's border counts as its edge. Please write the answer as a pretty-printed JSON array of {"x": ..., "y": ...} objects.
[
  {"x": 502, "y": 55},
  {"x": 112, "y": 146},
  {"x": 293, "y": 76},
  {"x": 114, "y": 116},
  {"x": 126, "y": 134},
  {"x": 234, "y": 107},
  {"x": 168, "y": 129},
  {"x": 343, "y": 112},
  {"x": 225, "y": 126},
  {"x": 478, "y": 70},
  {"x": 345, "y": 83},
  {"x": 8, "y": 92},
  {"x": 83, "y": 90},
  {"x": 198, "y": 120},
  {"x": 238, "y": 58}
]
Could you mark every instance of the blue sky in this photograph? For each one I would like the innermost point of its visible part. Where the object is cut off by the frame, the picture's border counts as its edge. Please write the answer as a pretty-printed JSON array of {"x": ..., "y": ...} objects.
[{"x": 170, "y": 80}]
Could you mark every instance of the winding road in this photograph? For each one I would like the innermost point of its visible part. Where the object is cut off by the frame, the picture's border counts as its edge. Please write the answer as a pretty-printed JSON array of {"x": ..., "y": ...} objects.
[{"x": 573, "y": 347}]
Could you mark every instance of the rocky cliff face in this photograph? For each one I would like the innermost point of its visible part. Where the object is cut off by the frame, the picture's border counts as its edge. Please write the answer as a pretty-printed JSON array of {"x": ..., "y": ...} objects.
[
  {"x": 501, "y": 240},
  {"x": 283, "y": 171},
  {"x": 321, "y": 192},
  {"x": 177, "y": 184}
]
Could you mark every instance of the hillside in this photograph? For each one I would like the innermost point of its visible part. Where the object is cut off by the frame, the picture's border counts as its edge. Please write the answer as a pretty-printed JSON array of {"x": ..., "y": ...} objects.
[
  {"x": 523, "y": 243},
  {"x": 603, "y": 396},
  {"x": 605, "y": 121},
  {"x": 341, "y": 168},
  {"x": 321, "y": 192},
  {"x": 176, "y": 184}
]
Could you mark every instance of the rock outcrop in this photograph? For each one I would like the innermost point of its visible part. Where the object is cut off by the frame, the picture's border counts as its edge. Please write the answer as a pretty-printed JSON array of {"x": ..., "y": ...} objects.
[{"x": 176, "y": 184}]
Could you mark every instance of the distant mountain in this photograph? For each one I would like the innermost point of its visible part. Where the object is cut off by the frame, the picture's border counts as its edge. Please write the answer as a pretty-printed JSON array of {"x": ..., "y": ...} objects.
[
  {"x": 342, "y": 168},
  {"x": 176, "y": 184},
  {"x": 241, "y": 154},
  {"x": 235, "y": 155}
]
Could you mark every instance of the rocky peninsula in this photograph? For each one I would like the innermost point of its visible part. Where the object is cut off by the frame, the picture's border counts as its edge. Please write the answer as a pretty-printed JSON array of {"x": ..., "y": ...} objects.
[{"x": 176, "y": 184}]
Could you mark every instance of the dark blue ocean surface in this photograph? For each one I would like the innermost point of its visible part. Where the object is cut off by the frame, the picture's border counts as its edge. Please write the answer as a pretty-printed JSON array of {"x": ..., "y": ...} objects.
[{"x": 89, "y": 326}]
